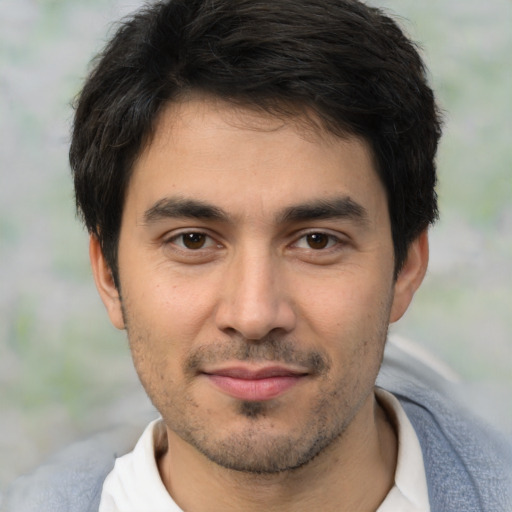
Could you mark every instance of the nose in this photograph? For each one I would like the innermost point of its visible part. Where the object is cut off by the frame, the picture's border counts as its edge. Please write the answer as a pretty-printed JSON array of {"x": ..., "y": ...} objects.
[{"x": 254, "y": 300}]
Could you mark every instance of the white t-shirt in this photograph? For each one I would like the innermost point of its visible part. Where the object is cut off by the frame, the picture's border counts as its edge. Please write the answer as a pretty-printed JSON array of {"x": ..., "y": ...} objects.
[
  {"x": 410, "y": 492},
  {"x": 134, "y": 485}
]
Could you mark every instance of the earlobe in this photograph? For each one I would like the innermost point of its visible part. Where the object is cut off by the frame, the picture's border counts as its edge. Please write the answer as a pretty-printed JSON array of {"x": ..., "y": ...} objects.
[
  {"x": 105, "y": 283},
  {"x": 411, "y": 276}
]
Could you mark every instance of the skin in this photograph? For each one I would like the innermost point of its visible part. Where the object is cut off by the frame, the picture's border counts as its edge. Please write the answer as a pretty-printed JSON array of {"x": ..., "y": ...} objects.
[{"x": 255, "y": 243}]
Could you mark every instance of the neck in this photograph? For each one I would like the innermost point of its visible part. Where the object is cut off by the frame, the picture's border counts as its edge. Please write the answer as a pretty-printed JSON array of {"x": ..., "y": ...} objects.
[{"x": 354, "y": 473}]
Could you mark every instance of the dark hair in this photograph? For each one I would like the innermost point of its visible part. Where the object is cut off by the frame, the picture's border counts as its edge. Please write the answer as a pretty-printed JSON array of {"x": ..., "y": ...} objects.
[{"x": 348, "y": 63}]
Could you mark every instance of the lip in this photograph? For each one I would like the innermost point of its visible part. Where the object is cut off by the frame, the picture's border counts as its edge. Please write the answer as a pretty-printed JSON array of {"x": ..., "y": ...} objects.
[{"x": 254, "y": 384}]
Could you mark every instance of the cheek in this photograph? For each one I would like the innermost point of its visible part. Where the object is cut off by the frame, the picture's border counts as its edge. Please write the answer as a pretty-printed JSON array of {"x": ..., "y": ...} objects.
[
  {"x": 347, "y": 304},
  {"x": 170, "y": 307},
  {"x": 350, "y": 322}
]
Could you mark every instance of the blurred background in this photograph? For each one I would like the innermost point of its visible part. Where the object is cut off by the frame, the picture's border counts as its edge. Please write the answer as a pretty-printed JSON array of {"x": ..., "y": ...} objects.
[{"x": 66, "y": 373}]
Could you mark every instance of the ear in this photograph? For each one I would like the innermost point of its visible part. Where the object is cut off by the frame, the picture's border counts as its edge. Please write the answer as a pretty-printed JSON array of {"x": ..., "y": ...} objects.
[
  {"x": 410, "y": 277},
  {"x": 105, "y": 283}
]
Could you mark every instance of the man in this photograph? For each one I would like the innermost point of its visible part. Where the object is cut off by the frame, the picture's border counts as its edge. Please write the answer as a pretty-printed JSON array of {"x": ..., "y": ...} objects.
[{"x": 257, "y": 178}]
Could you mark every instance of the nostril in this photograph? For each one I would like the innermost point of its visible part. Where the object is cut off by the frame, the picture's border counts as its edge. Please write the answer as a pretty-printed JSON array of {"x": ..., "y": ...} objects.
[{"x": 254, "y": 325}]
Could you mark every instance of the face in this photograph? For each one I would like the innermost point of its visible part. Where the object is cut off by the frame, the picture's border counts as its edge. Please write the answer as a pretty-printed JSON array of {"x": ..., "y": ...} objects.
[{"x": 256, "y": 284}]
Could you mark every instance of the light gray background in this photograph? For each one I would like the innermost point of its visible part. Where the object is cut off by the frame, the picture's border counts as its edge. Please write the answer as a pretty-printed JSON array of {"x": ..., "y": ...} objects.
[{"x": 65, "y": 372}]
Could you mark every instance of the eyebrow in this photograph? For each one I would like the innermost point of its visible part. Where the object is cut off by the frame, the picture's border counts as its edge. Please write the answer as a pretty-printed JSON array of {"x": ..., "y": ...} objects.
[
  {"x": 175, "y": 207},
  {"x": 334, "y": 208}
]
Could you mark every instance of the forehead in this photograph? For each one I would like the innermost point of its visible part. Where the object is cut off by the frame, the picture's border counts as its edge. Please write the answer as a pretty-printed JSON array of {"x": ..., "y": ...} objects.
[{"x": 244, "y": 160}]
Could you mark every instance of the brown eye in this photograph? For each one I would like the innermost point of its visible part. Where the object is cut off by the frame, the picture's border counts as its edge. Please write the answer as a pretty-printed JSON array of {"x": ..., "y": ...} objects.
[
  {"x": 193, "y": 240},
  {"x": 318, "y": 240}
]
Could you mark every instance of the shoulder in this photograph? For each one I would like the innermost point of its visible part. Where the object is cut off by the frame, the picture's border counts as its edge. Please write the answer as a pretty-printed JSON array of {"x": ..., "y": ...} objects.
[
  {"x": 467, "y": 463},
  {"x": 72, "y": 480}
]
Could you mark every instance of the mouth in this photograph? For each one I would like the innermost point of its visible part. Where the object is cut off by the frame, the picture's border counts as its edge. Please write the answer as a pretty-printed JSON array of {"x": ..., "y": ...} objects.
[{"x": 254, "y": 384}]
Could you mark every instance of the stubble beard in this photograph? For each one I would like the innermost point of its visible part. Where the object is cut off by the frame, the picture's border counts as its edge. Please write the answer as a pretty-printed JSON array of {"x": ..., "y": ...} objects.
[{"x": 254, "y": 449}]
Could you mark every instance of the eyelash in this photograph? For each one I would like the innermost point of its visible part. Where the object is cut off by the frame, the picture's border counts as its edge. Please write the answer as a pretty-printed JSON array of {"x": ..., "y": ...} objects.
[
  {"x": 173, "y": 240},
  {"x": 327, "y": 241},
  {"x": 331, "y": 241}
]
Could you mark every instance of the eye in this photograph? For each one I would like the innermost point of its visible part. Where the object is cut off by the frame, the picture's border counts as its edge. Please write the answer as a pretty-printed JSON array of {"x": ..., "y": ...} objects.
[
  {"x": 317, "y": 241},
  {"x": 193, "y": 241}
]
